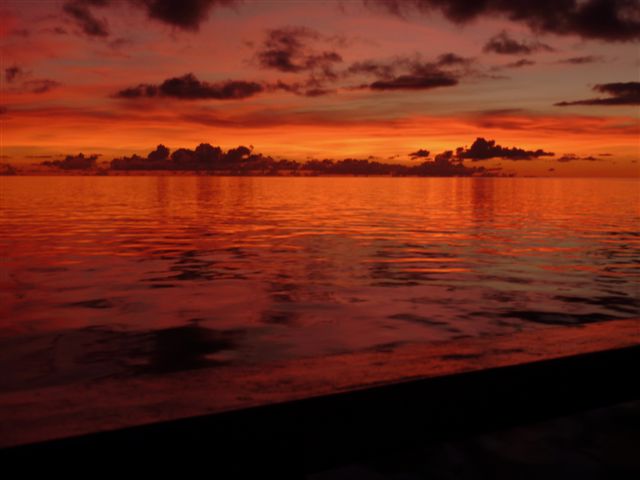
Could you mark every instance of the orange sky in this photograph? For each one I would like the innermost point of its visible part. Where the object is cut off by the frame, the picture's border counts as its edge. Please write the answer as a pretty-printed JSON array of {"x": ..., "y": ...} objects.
[{"x": 330, "y": 80}]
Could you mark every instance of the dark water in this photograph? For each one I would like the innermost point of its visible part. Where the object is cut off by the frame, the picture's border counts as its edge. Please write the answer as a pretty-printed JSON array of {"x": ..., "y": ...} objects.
[{"x": 113, "y": 275}]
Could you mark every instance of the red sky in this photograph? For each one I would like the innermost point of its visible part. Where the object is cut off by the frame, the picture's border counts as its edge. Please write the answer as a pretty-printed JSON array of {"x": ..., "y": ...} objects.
[{"x": 329, "y": 79}]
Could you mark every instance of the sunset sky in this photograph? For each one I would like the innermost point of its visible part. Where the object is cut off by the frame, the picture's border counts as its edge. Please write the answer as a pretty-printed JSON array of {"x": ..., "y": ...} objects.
[{"x": 327, "y": 79}]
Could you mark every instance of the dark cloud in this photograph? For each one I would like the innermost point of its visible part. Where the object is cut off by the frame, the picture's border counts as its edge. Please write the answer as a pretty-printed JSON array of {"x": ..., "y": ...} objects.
[
  {"x": 13, "y": 73},
  {"x": 81, "y": 12},
  {"x": 520, "y": 63},
  {"x": 74, "y": 162},
  {"x": 413, "y": 73},
  {"x": 204, "y": 157},
  {"x": 288, "y": 49},
  {"x": 421, "y": 153},
  {"x": 620, "y": 93},
  {"x": 608, "y": 20},
  {"x": 21, "y": 82},
  {"x": 570, "y": 157},
  {"x": 406, "y": 74},
  {"x": 182, "y": 14},
  {"x": 188, "y": 87},
  {"x": 416, "y": 81},
  {"x": 483, "y": 149},
  {"x": 373, "y": 67},
  {"x": 452, "y": 59},
  {"x": 318, "y": 92},
  {"x": 503, "y": 44},
  {"x": 582, "y": 60},
  {"x": 295, "y": 50},
  {"x": 244, "y": 161},
  {"x": 405, "y": 64}
]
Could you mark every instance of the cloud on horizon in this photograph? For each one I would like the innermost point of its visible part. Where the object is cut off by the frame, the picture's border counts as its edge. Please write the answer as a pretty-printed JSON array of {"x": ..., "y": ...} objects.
[
  {"x": 483, "y": 149},
  {"x": 571, "y": 157}
]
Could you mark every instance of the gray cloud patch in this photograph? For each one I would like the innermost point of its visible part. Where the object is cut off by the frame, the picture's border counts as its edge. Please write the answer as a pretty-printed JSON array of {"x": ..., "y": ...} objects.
[
  {"x": 188, "y": 87},
  {"x": 620, "y": 93},
  {"x": 607, "y": 20},
  {"x": 503, "y": 44}
]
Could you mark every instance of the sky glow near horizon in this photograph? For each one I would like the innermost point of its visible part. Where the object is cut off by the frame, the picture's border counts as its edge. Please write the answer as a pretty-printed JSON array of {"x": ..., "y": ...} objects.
[{"x": 333, "y": 79}]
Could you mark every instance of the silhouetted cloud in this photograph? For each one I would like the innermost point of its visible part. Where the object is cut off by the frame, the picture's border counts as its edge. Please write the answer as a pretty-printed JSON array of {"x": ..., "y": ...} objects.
[
  {"x": 288, "y": 49},
  {"x": 421, "y": 153},
  {"x": 582, "y": 60},
  {"x": 308, "y": 88},
  {"x": 80, "y": 11},
  {"x": 520, "y": 63},
  {"x": 188, "y": 87},
  {"x": 20, "y": 81},
  {"x": 416, "y": 81},
  {"x": 418, "y": 75},
  {"x": 483, "y": 149},
  {"x": 74, "y": 162},
  {"x": 13, "y": 73},
  {"x": 620, "y": 93},
  {"x": 503, "y": 44},
  {"x": 570, "y": 157},
  {"x": 243, "y": 160},
  {"x": 452, "y": 59},
  {"x": 608, "y": 20},
  {"x": 412, "y": 73},
  {"x": 205, "y": 156},
  {"x": 374, "y": 67},
  {"x": 182, "y": 14}
]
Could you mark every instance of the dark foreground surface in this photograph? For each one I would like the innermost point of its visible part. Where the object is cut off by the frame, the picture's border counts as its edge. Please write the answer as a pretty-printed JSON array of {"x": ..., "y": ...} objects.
[
  {"x": 570, "y": 417},
  {"x": 596, "y": 444}
]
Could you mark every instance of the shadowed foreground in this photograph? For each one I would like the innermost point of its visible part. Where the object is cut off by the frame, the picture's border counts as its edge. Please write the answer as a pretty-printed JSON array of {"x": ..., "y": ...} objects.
[{"x": 317, "y": 426}]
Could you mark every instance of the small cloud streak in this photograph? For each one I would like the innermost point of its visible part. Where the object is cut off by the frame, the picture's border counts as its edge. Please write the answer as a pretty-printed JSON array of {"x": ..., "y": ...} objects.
[
  {"x": 80, "y": 11},
  {"x": 503, "y": 44},
  {"x": 583, "y": 60},
  {"x": 521, "y": 63},
  {"x": 620, "y": 93},
  {"x": 188, "y": 87},
  {"x": 570, "y": 157}
]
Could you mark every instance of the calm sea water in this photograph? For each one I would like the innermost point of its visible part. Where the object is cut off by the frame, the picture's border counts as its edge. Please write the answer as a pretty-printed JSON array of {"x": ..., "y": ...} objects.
[{"x": 133, "y": 275}]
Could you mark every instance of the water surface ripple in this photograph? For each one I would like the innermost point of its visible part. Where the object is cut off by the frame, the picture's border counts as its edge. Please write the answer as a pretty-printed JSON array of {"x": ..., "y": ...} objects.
[{"x": 113, "y": 275}]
